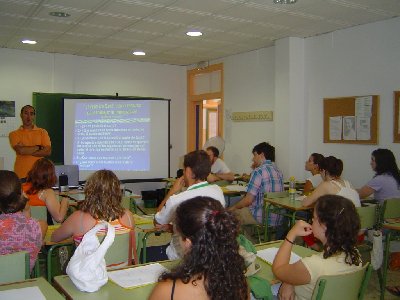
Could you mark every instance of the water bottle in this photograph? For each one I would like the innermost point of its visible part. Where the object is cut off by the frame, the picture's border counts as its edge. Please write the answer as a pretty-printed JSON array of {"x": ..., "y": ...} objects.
[{"x": 292, "y": 188}]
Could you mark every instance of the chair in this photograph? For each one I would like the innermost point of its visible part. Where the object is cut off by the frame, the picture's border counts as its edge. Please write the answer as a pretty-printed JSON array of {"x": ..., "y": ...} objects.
[
  {"x": 120, "y": 253},
  {"x": 390, "y": 209},
  {"x": 369, "y": 218},
  {"x": 351, "y": 285},
  {"x": 14, "y": 267},
  {"x": 269, "y": 208},
  {"x": 39, "y": 212}
]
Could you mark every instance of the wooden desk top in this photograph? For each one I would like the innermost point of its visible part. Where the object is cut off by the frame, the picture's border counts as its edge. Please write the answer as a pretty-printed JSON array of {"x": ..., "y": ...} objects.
[
  {"x": 49, "y": 232},
  {"x": 47, "y": 290},
  {"x": 294, "y": 205},
  {"x": 113, "y": 291},
  {"x": 392, "y": 224}
]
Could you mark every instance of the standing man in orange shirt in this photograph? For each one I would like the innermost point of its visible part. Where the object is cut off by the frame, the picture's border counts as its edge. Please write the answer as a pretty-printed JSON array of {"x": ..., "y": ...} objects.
[{"x": 29, "y": 142}]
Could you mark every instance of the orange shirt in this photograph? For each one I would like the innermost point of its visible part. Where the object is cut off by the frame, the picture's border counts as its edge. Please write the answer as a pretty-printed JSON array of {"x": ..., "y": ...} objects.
[
  {"x": 34, "y": 199},
  {"x": 27, "y": 137}
]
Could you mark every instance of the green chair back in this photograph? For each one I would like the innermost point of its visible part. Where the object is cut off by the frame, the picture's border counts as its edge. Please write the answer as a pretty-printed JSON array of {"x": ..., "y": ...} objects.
[
  {"x": 273, "y": 195},
  {"x": 350, "y": 285},
  {"x": 39, "y": 212},
  {"x": 14, "y": 267},
  {"x": 120, "y": 253},
  {"x": 391, "y": 208},
  {"x": 368, "y": 216}
]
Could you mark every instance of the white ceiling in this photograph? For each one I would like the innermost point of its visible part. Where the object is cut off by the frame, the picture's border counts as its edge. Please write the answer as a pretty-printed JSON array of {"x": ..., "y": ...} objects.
[{"x": 114, "y": 28}]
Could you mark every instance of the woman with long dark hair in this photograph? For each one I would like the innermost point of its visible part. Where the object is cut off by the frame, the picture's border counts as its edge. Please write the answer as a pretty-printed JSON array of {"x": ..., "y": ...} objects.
[
  {"x": 212, "y": 267},
  {"x": 336, "y": 224},
  {"x": 17, "y": 231},
  {"x": 386, "y": 182}
]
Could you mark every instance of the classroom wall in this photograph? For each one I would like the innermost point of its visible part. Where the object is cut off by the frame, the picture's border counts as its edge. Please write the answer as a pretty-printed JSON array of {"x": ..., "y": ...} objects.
[
  {"x": 24, "y": 72},
  {"x": 362, "y": 60},
  {"x": 248, "y": 86}
]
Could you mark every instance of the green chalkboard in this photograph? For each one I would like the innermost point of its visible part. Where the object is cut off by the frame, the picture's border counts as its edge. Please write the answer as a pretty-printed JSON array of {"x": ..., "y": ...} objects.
[{"x": 50, "y": 116}]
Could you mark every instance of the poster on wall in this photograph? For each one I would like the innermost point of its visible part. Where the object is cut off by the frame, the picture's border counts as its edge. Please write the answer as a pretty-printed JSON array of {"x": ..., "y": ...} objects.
[{"x": 7, "y": 117}]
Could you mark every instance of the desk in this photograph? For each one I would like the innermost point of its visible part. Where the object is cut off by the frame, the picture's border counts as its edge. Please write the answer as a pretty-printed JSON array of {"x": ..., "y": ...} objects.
[
  {"x": 112, "y": 291},
  {"x": 392, "y": 229},
  {"x": 47, "y": 290},
  {"x": 294, "y": 206},
  {"x": 233, "y": 190}
]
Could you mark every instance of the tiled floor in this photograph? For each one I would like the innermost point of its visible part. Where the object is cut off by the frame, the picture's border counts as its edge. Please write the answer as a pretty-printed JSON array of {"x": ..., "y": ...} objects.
[{"x": 373, "y": 291}]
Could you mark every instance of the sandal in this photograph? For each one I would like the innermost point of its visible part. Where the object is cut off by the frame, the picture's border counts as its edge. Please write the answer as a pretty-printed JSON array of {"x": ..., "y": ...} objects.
[{"x": 394, "y": 290}]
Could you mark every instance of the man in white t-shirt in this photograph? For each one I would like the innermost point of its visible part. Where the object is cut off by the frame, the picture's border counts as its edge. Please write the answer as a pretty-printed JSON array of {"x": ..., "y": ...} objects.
[
  {"x": 219, "y": 169},
  {"x": 196, "y": 167}
]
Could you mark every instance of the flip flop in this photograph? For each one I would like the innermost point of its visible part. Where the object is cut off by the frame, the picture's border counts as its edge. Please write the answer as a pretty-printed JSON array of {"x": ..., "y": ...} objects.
[{"x": 394, "y": 290}]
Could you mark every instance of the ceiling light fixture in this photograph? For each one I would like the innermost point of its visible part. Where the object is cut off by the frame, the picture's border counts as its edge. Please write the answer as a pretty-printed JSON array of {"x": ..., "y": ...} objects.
[
  {"x": 194, "y": 33},
  {"x": 30, "y": 42},
  {"x": 59, "y": 14},
  {"x": 285, "y": 1},
  {"x": 138, "y": 53}
]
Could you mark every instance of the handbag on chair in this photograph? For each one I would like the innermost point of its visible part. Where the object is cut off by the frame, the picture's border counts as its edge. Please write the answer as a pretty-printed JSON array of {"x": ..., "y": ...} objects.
[{"x": 87, "y": 267}]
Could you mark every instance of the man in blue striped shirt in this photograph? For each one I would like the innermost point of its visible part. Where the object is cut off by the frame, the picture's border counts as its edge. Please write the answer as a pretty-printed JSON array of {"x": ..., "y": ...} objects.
[{"x": 266, "y": 177}]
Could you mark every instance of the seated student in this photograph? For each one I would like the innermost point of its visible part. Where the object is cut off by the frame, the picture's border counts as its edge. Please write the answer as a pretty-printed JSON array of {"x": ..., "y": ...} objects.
[
  {"x": 336, "y": 224},
  {"x": 219, "y": 169},
  {"x": 331, "y": 170},
  {"x": 196, "y": 166},
  {"x": 102, "y": 202},
  {"x": 212, "y": 267},
  {"x": 38, "y": 188},
  {"x": 266, "y": 177},
  {"x": 386, "y": 182},
  {"x": 313, "y": 165},
  {"x": 17, "y": 231}
]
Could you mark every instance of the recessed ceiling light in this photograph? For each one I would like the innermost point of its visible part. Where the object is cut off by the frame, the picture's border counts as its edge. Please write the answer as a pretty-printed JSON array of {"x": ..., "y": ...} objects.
[
  {"x": 138, "y": 53},
  {"x": 194, "y": 33},
  {"x": 59, "y": 14},
  {"x": 285, "y": 1},
  {"x": 30, "y": 42}
]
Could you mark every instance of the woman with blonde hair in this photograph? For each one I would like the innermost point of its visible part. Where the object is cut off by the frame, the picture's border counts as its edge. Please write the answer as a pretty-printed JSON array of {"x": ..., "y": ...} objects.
[
  {"x": 102, "y": 202},
  {"x": 38, "y": 188}
]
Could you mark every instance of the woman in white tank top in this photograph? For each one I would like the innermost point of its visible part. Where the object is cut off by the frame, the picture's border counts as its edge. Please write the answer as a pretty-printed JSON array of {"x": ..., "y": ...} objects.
[{"x": 331, "y": 169}]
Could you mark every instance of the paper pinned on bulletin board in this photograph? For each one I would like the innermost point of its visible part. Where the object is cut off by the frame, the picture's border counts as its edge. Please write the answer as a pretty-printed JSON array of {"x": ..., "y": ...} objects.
[{"x": 7, "y": 117}]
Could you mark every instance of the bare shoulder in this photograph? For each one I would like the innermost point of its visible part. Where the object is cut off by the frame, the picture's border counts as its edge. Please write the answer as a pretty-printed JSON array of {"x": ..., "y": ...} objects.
[{"x": 162, "y": 290}]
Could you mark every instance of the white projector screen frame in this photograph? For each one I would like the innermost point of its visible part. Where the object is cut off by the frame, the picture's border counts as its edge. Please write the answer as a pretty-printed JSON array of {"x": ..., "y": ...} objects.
[{"x": 128, "y": 136}]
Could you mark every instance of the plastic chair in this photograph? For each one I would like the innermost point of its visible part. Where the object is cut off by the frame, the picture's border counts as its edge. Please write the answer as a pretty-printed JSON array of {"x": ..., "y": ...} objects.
[
  {"x": 390, "y": 209},
  {"x": 120, "y": 253},
  {"x": 369, "y": 218},
  {"x": 14, "y": 267},
  {"x": 350, "y": 285},
  {"x": 39, "y": 212}
]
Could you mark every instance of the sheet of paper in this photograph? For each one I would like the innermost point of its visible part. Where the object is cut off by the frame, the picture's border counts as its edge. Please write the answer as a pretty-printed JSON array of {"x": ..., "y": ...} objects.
[
  {"x": 134, "y": 277},
  {"x": 269, "y": 254},
  {"x": 31, "y": 293},
  {"x": 236, "y": 188},
  {"x": 335, "y": 128},
  {"x": 363, "y": 128},
  {"x": 363, "y": 107},
  {"x": 275, "y": 288},
  {"x": 349, "y": 128},
  {"x": 300, "y": 198}
]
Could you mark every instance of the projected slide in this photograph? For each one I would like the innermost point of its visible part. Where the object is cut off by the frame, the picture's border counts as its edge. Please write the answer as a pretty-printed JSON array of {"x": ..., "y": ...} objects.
[
  {"x": 129, "y": 137},
  {"x": 112, "y": 136}
]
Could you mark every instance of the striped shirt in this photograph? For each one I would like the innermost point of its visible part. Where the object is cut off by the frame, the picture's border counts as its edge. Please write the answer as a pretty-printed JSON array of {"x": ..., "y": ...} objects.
[{"x": 265, "y": 178}]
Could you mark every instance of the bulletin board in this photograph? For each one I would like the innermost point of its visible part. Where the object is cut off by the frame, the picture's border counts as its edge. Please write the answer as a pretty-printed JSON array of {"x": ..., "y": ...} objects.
[
  {"x": 396, "y": 119},
  {"x": 363, "y": 111}
]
